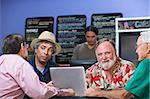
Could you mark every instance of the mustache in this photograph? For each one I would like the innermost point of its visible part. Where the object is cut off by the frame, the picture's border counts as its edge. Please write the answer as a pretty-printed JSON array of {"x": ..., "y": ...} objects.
[{"x": 107, "y": 61}]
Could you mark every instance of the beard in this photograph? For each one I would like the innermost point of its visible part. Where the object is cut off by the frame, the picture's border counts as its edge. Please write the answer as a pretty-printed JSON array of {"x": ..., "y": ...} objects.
[{"x": 109, "y": 64}]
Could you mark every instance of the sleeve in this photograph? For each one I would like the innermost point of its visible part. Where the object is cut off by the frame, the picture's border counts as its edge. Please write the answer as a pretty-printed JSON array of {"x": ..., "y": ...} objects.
[
  {"x": 139, "y": 81},
  {"x": 128, "y": 72},
  {"x": 75, "y": 53},
  {"x": 89, "y": 76},
  {"x": 30, "y": 84}
]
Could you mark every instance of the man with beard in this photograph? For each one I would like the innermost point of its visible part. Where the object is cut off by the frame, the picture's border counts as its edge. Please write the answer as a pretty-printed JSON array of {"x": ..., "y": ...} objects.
[
  {"x": 110, "y": 74},
  {"x": 86, "y": 50},
  {"x": 45, "y": 47}
]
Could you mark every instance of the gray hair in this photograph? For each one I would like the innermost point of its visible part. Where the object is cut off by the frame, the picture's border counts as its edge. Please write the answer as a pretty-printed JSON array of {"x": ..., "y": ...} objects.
[
  {"x": 37, "y": 45},
  {"x": 145, "y": 36}
]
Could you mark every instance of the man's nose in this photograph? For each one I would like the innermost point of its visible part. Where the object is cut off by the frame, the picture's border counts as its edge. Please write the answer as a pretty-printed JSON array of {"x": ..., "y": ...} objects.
[
  {"x": 104, "y": 57},
  {"x": 45, "y": 51}
]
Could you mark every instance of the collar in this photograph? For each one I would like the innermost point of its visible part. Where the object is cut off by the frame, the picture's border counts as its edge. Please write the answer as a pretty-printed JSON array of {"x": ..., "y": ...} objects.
[{"x": 48, "y": 65}]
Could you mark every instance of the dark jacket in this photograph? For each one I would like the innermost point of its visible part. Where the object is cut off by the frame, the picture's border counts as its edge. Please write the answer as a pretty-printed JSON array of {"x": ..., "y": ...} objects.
[{"x": 45, "y": 76}]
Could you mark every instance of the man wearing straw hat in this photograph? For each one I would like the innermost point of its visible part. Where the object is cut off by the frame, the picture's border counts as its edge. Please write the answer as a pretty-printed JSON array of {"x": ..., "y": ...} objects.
[{"x": 45, "y": 47}]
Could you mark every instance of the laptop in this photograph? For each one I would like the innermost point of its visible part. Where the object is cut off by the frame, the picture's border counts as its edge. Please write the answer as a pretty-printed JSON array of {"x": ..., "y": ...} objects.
[{"x": 69, "y": 77}]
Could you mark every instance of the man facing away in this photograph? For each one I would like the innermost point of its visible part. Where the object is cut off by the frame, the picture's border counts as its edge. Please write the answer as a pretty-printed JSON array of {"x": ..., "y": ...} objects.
[
  {"x": 44, "y": 47},
  {"x": 139, "y": 85},
  {"x": 17, "y": 75},
  {"x": 86, "y": 50},
  {"x": 110, "y": 74}
]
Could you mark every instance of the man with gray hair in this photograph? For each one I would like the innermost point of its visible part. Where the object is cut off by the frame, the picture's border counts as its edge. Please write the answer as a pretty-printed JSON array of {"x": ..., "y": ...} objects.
[
  {"x": 139, "y": 85},
  {"x": 45, "y": 47}
]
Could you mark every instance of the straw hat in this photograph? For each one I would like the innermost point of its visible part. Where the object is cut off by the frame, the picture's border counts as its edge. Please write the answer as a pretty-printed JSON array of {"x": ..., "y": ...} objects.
[{"x": 48, "y": 36}]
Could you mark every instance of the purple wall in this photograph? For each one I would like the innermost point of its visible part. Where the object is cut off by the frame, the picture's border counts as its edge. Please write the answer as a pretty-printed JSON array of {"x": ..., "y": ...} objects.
[
  {"x": 149, "y": 7},
  {"x": 14, "y": 12},
  {"x": 0, "y": 25}
]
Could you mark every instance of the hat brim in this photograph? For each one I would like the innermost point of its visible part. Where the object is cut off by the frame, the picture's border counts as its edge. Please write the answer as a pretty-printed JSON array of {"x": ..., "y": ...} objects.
[{"x": 36, "y": 40}]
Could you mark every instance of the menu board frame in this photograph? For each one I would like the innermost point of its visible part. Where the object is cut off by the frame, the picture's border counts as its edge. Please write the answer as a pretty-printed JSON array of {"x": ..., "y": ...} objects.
[
  {"x": 34, "y": 26},
  {"x": 69, "y": 33},
  {"x": 105, "y": 22}
]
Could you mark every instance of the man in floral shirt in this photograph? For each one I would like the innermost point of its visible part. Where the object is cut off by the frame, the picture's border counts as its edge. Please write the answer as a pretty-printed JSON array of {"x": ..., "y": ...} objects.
[{"x": 110, "y": 74}]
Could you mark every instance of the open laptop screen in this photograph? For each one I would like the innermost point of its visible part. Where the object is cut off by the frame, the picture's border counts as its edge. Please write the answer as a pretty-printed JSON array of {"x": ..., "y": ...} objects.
[{"x": 69, "y": 77}]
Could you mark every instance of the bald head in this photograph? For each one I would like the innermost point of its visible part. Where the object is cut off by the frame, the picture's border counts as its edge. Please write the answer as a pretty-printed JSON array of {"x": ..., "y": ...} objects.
[{"x": 106, "y": 45}]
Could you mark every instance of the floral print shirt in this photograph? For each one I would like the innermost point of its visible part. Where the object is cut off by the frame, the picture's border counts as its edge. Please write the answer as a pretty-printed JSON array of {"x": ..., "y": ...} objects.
[{"x": 122, "y": 72}]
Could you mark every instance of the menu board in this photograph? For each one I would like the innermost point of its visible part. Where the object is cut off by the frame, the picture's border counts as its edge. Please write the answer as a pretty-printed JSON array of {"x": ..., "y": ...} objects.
[
  {"x": 35, "y": 26},
  {"x": 105, "y": 24},
  {"x": 70, "y": 32}
]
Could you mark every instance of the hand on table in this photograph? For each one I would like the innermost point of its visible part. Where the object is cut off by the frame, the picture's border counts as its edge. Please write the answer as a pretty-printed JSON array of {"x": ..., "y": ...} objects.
[
  {"x": 66, "y": 92},
  {"x": 92, "y": 92}
]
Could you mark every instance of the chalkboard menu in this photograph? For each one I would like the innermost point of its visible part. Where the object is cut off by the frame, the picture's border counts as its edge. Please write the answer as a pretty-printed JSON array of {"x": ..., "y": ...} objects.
[
  {"x": 105, "y": 24},
  {"x": 70, "y": 32},
  {"x": 35, "y": 26}
]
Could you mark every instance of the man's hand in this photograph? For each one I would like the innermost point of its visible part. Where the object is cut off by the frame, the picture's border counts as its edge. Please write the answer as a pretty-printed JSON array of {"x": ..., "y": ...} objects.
[
  {"x": 66, "y": 92},
  {"x": 51, "y": 84},
  {"x": 112, "y": 94},
  {"x": 92, "y": 92}
]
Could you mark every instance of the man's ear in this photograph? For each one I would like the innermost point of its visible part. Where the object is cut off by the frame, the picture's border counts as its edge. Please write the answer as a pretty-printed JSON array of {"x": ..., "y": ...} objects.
[
  {"x": 35, "y": 51},
  {"x": 22, "y": 47},
  {"x": 148, "y": 48}
]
